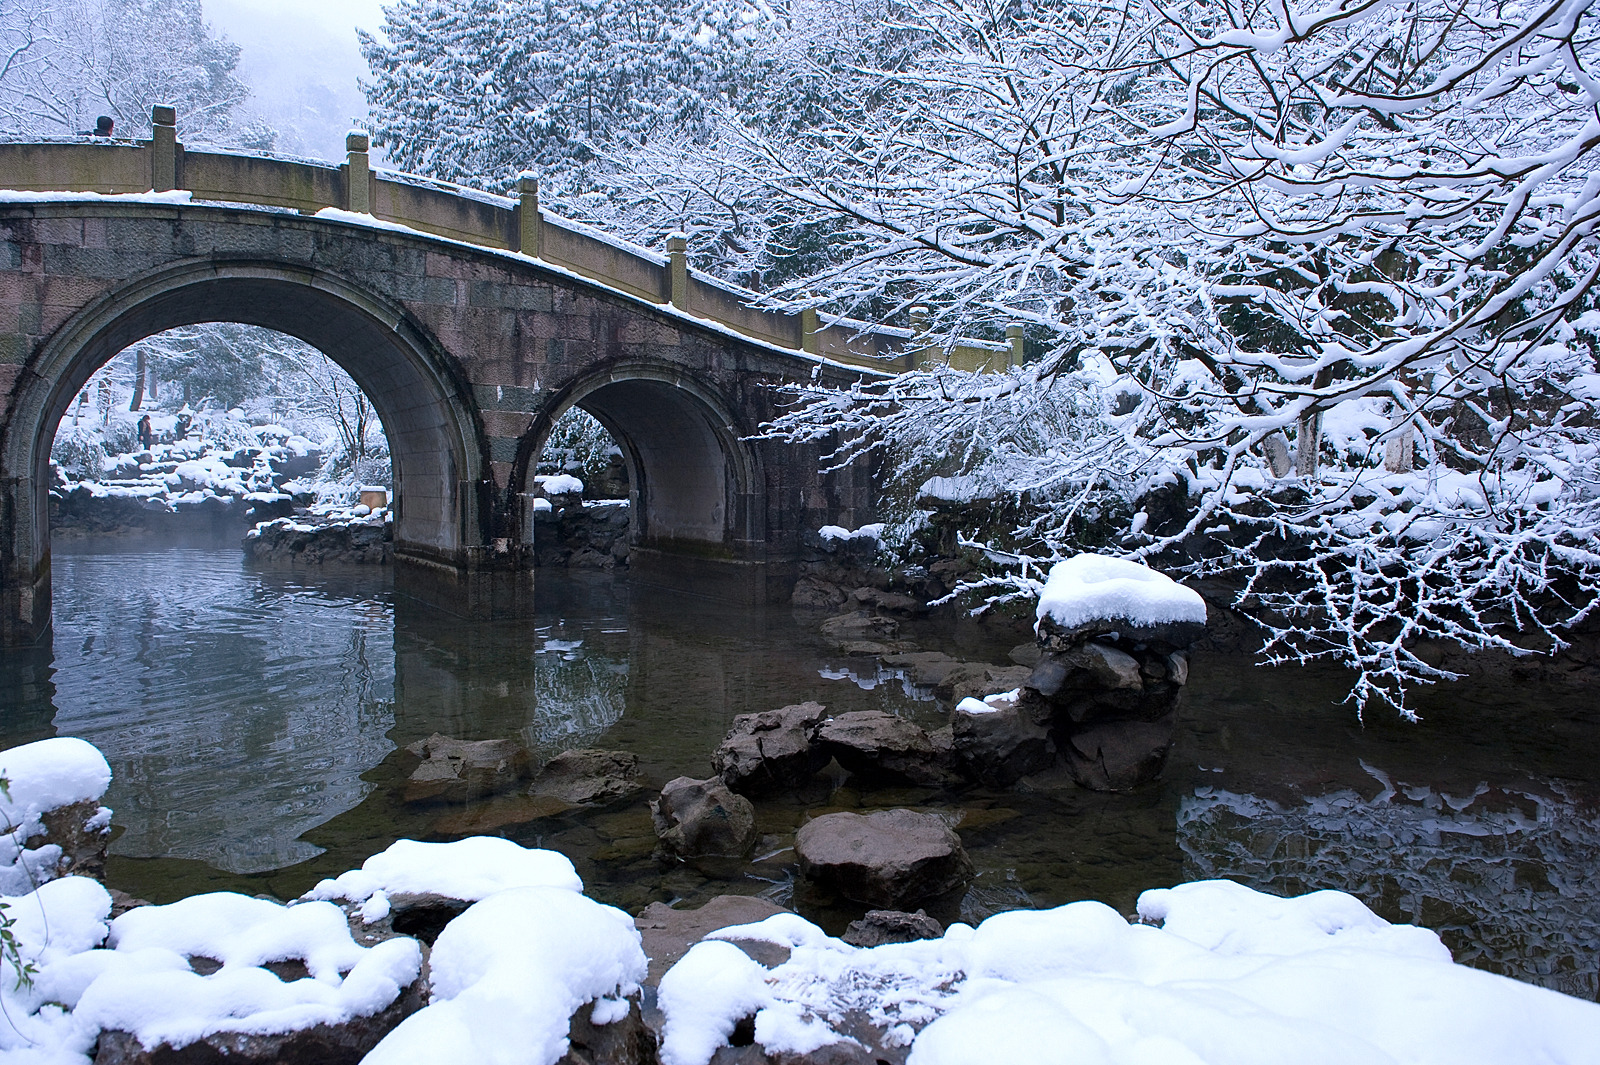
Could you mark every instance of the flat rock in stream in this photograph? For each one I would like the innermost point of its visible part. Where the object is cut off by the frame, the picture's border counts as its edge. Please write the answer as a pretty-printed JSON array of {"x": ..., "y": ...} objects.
[
  {"x": 771, "y": 751},
  {"x": 887, "y": 859},
  {"x": 880, "y": 748},
  {"x": 588, "y": 776},
  {"x": 455, "y": 770},
  {"x": 668, "y": 933}
]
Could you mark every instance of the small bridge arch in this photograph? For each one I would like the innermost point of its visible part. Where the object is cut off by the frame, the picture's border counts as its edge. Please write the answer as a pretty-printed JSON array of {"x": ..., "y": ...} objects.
[{"x": 693, "y": 477}]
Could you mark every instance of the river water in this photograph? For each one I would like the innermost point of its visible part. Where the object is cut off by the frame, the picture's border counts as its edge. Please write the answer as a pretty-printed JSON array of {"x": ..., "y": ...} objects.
[{"x": 255, "y": 721}]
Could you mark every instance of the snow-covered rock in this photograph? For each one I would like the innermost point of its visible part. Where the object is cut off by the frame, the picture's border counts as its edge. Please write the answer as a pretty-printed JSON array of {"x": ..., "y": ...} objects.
[
  {"x": 510, "y": 972},
  {"x": 250, "y": 977},
  {"x": 1218, "y": 974},
  {"x": 51, "y": 820},
  {"x": 559, "y": 484},
  {"x": 1092, "y": 594},
  {"x": 467, "y": 869}
]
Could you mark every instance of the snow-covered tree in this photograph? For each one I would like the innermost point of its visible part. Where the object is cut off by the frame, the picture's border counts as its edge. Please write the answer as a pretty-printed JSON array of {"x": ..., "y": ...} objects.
[
  {"x": 1364, "y": 229},
  {"x": 475, "y": 91},
  {"x": 64, "y": 62}
]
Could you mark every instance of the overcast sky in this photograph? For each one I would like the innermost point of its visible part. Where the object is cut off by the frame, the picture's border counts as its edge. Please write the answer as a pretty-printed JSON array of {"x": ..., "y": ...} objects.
[{"x": 301, "y": 58}]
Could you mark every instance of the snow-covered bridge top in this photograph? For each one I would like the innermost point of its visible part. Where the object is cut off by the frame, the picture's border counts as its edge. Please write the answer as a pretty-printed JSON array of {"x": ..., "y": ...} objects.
[{"x": 355, "y": 192}]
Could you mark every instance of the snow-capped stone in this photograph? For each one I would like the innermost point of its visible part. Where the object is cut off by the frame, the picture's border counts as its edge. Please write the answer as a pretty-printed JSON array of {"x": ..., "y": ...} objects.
[
  {"x": 1091, "y": 594},
  {"x": 51, "y": 820}
]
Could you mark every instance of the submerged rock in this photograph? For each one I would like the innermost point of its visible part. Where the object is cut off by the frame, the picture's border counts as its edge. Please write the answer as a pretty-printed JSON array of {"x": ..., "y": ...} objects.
[
  {"x": 814, "y": 593},
  {"x": 1120, "y": 755},
  {"x": 457, "y": 770},
  {"x": 771, "y": 751},
  {"x": 863, "y": 632},
  {"x": 699, "y": 818},
  {"x": 588, "y": 776},
  {"x": 886, "y": 859}
]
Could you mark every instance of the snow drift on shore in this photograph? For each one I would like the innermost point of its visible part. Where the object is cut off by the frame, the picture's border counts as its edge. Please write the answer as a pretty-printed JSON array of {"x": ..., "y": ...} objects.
[{"x": 1218, "y": 974}]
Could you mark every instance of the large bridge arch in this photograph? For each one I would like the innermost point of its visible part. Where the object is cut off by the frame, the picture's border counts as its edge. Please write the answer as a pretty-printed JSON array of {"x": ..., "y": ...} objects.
[
  {"x": 434, "y": 430},
  {"x": 694, "y": 479}
]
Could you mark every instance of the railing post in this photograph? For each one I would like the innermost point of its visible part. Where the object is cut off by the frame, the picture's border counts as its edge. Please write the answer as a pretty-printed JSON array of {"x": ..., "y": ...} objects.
[
  {"x": 163, "y": 148},
  {"x": 917, "y": 356},
  {"x": 810, "y": 332},
  {"x": 530, "y": 227},
  {"x": 678, "y": 271},
  {"x": 1014, "y": 338},
  {"x": 357, "y": 172}
]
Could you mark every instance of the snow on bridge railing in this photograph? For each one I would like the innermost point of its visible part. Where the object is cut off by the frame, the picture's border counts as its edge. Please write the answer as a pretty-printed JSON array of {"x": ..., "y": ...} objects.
[{"x": 438, "y": 208}]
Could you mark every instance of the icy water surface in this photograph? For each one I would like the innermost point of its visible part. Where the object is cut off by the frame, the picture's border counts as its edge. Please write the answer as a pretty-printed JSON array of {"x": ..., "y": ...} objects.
[{"x": 255, "y": 720}]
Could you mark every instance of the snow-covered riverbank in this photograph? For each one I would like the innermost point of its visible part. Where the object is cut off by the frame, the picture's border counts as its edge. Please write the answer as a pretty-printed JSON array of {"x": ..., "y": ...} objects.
[{"x": 530, "y": 967}]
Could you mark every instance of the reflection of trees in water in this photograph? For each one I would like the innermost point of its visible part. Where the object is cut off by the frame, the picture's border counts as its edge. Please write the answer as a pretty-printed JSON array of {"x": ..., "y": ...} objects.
[
  {"x": 1507, "y": 877},
  {"x": 579, "y": 696},
  {"x": 235, "y": 715}
]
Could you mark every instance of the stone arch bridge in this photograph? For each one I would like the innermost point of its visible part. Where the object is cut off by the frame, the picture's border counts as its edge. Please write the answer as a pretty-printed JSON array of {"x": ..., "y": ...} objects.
[{"x": 471, "y": 321}]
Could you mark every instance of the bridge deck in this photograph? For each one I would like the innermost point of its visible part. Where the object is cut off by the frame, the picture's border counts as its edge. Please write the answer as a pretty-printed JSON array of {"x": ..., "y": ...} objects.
[{"x": 436, "y": 208}]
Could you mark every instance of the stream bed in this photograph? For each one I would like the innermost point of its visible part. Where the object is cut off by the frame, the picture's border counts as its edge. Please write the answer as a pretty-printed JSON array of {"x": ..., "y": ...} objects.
[{"x": 255, "y": 719}]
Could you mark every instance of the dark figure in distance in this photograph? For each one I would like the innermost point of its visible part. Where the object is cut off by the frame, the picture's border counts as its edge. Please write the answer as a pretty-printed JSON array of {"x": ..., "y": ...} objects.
[
  {"x": 102, "y": 127},
  {"x": 145, "y": 435}
]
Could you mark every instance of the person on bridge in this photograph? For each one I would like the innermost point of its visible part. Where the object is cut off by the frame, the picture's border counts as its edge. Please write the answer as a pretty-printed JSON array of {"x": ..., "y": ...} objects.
[{"x": 102, "y": 127}]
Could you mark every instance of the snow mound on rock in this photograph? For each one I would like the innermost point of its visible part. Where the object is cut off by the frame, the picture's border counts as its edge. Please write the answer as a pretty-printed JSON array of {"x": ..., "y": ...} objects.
[
  {"x": 560, "y": 484},
  {"x": 1089, "y": 587},
  {"x": 146, "y": 984},
  {"x": 509, "y": 973},
  {"x": 1228, "y": 975},
  {"x": 468, "y": 869},
  {"x": 41, "y": 777}
]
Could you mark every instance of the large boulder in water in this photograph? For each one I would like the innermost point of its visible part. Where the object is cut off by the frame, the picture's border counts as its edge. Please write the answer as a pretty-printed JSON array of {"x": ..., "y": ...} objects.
[
  {"x": 997, "y": 743},
  {"x": 703, "y": 818},
  {"x": 1112, "y": 668},
  {"x": 888, "y": 859},
  {"x": 771, "y": 751}
]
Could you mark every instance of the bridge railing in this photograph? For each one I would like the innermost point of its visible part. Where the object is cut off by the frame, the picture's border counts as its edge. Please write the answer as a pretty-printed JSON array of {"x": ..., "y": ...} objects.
[{"x": 516, "y": 224}]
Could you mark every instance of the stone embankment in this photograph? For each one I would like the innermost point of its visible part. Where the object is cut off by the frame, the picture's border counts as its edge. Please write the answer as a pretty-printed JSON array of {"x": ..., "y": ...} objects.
[
  {"x": 335, "y": 539},
  {"x": 184, "y": 487}
]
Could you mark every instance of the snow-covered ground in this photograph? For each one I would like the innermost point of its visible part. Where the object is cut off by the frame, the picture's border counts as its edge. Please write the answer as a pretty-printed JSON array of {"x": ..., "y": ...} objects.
[{"x": 1209, "y": 972}]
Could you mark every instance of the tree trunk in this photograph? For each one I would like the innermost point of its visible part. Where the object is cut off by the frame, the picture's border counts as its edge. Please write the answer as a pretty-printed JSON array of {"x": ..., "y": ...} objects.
[
  {"x": 138, "y": 380},
  {"x": 1308, "y": 442}
]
